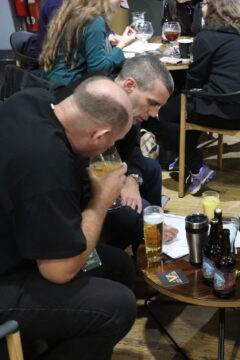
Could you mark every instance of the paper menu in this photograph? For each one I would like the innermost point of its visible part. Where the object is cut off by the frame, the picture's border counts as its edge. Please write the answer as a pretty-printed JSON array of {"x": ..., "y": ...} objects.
[
  {"x": 178, "y": 247},
  {"x": 139, "y": 47}
]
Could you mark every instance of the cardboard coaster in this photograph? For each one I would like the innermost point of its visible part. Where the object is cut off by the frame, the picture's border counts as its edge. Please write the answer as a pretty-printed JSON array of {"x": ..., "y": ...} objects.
[{"x": 172, "y": 278}]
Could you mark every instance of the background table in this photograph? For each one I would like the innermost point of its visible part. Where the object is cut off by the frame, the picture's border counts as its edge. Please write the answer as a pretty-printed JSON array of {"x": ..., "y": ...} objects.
[
  {"x": 195, "y": 292},
  {"x": 158, "y": 39}
]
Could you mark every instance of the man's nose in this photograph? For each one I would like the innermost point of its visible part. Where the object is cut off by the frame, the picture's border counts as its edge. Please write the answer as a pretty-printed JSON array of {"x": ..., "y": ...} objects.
[{"x": 154, "y": 111}]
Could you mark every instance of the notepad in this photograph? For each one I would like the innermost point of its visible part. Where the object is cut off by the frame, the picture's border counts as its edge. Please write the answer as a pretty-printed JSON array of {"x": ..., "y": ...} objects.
[
  {"x": 171, "y": 60},
  {"x": 178, "y": 247}
]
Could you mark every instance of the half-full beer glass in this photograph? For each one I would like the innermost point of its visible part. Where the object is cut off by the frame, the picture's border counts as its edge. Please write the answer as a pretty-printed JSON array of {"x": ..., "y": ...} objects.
[{"x": 153, "y": 232}]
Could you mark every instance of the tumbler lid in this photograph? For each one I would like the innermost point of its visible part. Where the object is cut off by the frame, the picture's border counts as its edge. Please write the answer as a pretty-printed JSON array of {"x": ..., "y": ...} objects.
[{"x": 196, "y": 221}]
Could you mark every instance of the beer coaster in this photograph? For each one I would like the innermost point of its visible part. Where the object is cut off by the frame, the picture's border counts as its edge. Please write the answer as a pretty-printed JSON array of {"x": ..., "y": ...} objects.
[{"x": 172, "y": 278}]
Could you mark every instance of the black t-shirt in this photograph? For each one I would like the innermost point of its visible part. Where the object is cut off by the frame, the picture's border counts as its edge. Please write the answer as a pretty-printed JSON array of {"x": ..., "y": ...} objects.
[{"x": 40, "y": 184}]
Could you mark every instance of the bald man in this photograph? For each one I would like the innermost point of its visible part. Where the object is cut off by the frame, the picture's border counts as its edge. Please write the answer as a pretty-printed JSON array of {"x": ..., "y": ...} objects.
[{"x": 48, "y": 227}]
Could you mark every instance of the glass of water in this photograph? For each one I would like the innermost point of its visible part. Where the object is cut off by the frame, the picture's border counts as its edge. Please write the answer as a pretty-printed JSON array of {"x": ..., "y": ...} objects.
[
  {"x": 231, "y": 222},
  {"x": 144, "y": 30}
]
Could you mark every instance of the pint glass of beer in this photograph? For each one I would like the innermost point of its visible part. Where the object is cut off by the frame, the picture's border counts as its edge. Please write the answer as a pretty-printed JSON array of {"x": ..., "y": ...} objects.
[{"x": 153, "y": 232}]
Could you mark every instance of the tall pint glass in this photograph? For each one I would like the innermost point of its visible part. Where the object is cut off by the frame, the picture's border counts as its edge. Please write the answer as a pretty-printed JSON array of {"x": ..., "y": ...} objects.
[{"x": 153, "y": 232}]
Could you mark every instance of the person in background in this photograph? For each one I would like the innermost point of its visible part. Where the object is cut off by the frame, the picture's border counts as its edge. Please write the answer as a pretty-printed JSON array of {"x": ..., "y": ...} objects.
[
  {"x": 48, "y": 10},
  {"x": 181, "y": 11},
  {"x": 148, "y": 84},
  {"x": 50, "y": 222},
  {"x": 198, "y": 21},
  {"x": 77, "y": 41},
  {"x": 215, "y": 69}
]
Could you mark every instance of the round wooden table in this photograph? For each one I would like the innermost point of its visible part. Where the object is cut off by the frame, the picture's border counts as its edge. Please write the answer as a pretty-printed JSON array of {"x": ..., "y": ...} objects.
[{"x": 194, "y": 292}]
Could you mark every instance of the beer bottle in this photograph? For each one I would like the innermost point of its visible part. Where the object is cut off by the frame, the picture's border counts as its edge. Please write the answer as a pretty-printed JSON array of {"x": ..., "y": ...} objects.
[
  {"x": 165, "y": 19},
  {"x": 212, "y": 251},
  {"x": 225, "y": 272},
  {"x": 218, "y": 216}
]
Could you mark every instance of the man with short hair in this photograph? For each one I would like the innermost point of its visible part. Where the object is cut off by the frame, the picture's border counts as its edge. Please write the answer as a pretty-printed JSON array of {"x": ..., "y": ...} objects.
[
  {"x": 148, "y": 84},
  {"x": 49, "y": 225}
]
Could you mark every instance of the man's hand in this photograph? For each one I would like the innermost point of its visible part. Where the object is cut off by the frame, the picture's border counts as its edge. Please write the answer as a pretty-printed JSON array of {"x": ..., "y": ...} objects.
[
  {"x": 170, "y": 233},
  {"x": 130, "y": 195},
  {"x": 106, "y": 189}
]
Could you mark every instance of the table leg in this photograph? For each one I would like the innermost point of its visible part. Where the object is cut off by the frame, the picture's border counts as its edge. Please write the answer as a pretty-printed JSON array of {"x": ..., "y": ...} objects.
[
  {"x": 221, "y": 312},
  {"x": 161, "y": 328}
]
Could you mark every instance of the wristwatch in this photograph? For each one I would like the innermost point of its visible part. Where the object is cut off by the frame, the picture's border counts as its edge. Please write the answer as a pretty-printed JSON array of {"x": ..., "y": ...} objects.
[{"x": 138, "y": 178}]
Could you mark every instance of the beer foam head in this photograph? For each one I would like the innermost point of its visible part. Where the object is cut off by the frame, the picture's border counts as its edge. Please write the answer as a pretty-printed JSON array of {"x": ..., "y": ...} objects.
[{"x": 153, "y": 219}]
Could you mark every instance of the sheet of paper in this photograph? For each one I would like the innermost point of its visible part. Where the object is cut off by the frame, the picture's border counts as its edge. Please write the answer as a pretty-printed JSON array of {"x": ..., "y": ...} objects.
[
  {"x": 171, "y": 60},
  {"x": 237, "y": 241},
  {"x": 139, "y": 47},
  {"x": 178, "y": 247}
]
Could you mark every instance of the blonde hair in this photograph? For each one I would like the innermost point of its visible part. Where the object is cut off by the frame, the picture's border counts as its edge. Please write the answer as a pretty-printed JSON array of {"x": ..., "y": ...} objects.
[
  {"x": 223, "y": 13},
  {"x": 66, "y": 29}
]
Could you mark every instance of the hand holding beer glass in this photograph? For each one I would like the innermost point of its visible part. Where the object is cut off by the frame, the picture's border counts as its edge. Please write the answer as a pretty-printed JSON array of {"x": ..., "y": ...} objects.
[
  {"x": 105, "y": 163},
  {"x": 153, "y": 232}
]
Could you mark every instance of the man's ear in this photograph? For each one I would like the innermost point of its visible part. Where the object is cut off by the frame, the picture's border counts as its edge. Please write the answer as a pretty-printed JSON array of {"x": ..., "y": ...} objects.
[
  {"x": 99, "y": 135},
  {"x": 129, "y": 85}
]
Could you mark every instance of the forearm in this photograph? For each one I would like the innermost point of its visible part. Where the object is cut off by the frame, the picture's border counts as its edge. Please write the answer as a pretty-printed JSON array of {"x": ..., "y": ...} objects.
[
  {"x": 64, "y": 270},
  {"x": 92, "y": 222}
]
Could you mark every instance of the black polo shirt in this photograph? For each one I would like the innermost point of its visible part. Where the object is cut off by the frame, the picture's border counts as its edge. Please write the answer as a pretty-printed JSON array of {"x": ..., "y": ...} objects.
[{"x": 40, "y": 184}]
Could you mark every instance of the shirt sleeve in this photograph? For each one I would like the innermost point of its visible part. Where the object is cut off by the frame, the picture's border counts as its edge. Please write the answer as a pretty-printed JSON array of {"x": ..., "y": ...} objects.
[
  {"x": 48, "y": 226},
  {"x": 96, "y": 57},
  {"x": 200, "y": 69}
]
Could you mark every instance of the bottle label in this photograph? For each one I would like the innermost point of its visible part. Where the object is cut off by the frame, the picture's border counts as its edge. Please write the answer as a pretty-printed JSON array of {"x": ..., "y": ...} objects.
[
  {"x": 208, "y": 268},
  {"x": 224, "y": 281}
]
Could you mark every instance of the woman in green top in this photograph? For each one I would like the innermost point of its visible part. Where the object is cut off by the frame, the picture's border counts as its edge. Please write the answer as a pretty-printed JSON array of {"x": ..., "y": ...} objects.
[{"x": 77, "y": 41}]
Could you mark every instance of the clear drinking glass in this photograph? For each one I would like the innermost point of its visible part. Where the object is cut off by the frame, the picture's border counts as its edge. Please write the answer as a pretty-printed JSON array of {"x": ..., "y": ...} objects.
[
  {"x": 103, "y": 164},
  {"x": 171, "y": 30},
  {"x": 153, "y": 232},
  {"x": 144, "y": 30},
  {"x": 231, "y": 222},
  {"x": 138, "y": 16},
  {"x": 210, "y": 202}
]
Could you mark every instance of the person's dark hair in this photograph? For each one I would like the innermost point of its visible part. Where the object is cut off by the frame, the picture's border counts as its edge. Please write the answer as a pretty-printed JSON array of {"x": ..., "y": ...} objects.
[
  {"x": 98, "y": 106},
  {"x": 146, "y": 69},
  {"x": 223, "y": 13}
]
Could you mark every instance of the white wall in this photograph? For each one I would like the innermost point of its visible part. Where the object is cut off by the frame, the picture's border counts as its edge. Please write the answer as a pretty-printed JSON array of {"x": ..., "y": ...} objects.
[{"x": 7, "y": 23}]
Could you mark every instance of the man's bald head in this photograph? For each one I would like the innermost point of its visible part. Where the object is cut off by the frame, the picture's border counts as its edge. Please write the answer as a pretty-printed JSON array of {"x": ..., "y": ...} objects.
[{"x": 103, "y": 101}]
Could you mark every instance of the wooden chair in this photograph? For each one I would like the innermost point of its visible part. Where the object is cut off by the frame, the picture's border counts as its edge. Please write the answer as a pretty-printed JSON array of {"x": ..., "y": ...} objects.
[
  {"x": 231, "y": 98},
  {"x": 18, "y": 40},
  {"x": 10, "y": 330}
]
